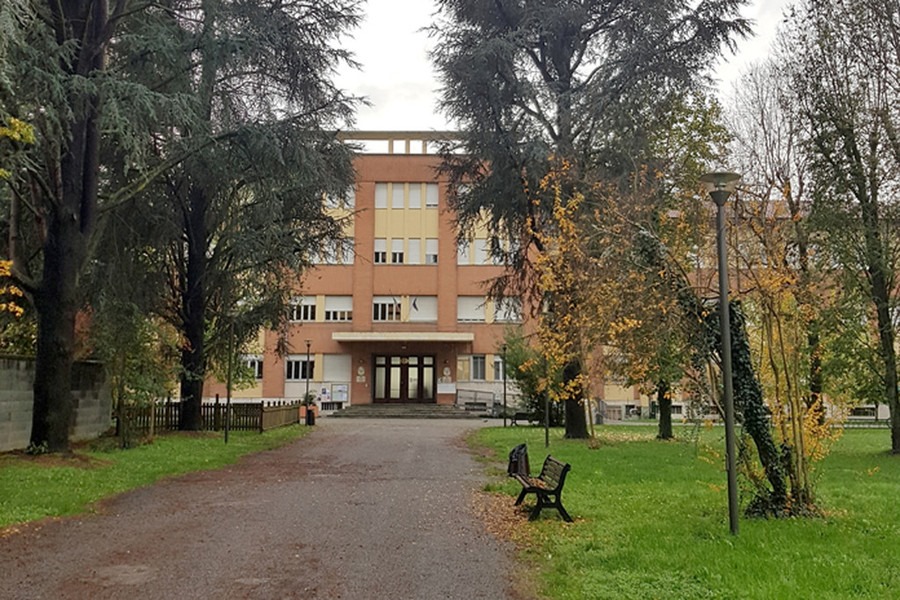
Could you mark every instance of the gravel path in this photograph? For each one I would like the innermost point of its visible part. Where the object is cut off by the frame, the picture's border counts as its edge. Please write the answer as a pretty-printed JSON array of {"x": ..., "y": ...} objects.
[{"x": 360, "y": 509}]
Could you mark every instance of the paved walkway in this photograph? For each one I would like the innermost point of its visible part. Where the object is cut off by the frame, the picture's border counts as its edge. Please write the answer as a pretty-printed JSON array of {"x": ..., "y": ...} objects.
[{"x": 360, "y": 509}]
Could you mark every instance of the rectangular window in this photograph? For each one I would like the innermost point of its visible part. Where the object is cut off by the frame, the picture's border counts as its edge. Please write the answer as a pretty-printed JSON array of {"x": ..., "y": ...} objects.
[
  {"x": 380, "y": 256},
  {"x": 423, "y": 309},
  {"x": 348, "y": 251},
  {"x": 396, "y": 195},
  {"x": 431, "y": 195},
  {"x": 300, "y": 369},
  {"x": 348, "y": 200},
  {"x": 397, "y": 251},
  {"x": 336, "y": 367},
  {"x": 463, "y": 370},
  {"x": 414, "y": 251},
  {"x": 338, "y": 308},
  {"x": 255, "y": 365},
  {"x": 385, "y": 308},
  {"x": 381, "y": 194},
  {"x": 431, "y": 251},
  {"x": 508, "y": 310},
  {"x": 498, "y": 368},
  {"x": 482, "y": 252},
  {"x": 415, "y": 195},
  {"x": 470, "y": 309},
  {"x": 303, "y": 309},
  {"x": 463, "y": 253},
  {"x": 478, "y": 367}
]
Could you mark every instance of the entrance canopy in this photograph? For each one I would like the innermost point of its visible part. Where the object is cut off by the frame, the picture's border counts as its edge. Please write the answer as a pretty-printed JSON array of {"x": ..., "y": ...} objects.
[{"x": 401, "y": 336}]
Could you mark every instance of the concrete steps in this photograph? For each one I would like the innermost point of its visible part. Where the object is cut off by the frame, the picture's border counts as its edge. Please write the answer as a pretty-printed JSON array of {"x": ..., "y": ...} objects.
[{"x": 404, "y": 411}]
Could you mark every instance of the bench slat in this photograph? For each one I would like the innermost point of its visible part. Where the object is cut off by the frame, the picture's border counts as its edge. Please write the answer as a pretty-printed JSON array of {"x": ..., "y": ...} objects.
[{"x": 547, "y": 487}]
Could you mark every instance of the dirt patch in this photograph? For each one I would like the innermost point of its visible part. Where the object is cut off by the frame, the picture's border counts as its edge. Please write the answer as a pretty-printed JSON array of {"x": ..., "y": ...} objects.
[{"x": 71, "y": 459}]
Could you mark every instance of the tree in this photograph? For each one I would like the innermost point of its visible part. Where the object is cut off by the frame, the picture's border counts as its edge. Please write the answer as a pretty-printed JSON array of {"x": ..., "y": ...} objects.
[
  {"x": 844, "y": 80},
  {"x": 784, "y": 291},
  {"x": 539, "y": 84},
  {"x": 241, "y": 218},
  {"x": 104, "y": 134}
]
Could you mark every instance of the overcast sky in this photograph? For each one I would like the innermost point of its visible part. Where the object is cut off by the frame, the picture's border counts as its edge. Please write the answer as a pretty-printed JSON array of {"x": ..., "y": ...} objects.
[{"x": 397, "y": 77}]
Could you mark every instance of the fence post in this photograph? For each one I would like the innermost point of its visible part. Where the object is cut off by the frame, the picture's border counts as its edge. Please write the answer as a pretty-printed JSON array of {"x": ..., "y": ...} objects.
[{"x": 262, "y": 412}]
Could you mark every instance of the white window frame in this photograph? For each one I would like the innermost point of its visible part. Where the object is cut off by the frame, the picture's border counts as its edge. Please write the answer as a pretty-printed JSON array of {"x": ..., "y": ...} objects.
[
  {"x": 296, "y": 369},
  {"x": 338, "y": 309},
  {"x": 414, "y": 251},
  {"x": 381, "y": 195},
  {"x": 385, "y": 309},
  {"x": 379, "y": 256},
  {"x": 431, "y": 251},
  {"x": 397, "y": 253},
  {"x": 479, "y": 367},
  {"x": 432, "y": 195},
  {"x": 397, "y": 202},
  {"x": 303, "y": 310}
]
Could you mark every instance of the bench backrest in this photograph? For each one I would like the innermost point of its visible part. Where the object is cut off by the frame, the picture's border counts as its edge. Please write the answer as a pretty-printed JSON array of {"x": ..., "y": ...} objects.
[
  {"x": 518, "y": 461},
  {"x": 553, "y": 473}
]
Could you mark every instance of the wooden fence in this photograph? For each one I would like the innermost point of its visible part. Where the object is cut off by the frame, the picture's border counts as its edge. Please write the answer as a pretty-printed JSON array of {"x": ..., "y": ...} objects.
[{"x": 243, "y": 416}]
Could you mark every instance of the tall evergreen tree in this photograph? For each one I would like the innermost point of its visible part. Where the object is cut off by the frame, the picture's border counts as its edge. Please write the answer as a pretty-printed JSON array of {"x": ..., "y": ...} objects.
[{"x": 536, "y": 84}]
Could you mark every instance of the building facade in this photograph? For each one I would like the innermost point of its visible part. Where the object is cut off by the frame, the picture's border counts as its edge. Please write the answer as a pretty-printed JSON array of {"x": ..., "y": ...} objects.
[{"x": 398, "y": 312}]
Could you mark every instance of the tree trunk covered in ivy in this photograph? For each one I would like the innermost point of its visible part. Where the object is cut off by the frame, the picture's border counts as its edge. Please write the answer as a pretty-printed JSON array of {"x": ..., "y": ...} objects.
[{"x": 754, "y": 414}]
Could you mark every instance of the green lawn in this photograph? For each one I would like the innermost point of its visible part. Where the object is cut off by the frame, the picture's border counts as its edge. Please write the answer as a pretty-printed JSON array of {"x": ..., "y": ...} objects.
[
  {"x": 652, "y": 522},
  {"x": 47, "y": 486}
]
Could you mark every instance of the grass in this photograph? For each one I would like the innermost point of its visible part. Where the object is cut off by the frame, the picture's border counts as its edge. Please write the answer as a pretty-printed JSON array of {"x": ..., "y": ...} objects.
[
  {"x": 652, "y": 522},
  {"x": 32, "y": 488}
]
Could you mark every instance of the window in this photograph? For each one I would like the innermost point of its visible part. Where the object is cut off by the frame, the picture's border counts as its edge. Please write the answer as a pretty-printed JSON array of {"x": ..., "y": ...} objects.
[
  {"x": 348, "y": 200},
  {"x": 508, "y": 310},
  {"x": 380, "y": 257},
  {"x": 431, "y": 251},
  {"x": 385, "y": 308},
  {"x": 338, "y": 308},
  {"x": 463, "y": 370},
  {"x": 463, "y": 253},
  {"x": 415, "y": 195},
  {"x": 423, "y": 309},
  {"x": 478, "y": 366},
  {"x": 397, "y": 195},
  {"x": 483, "y": 252},
  {"x": 254, "y": 364},
  {"x": 397, "y": 251},
  {"x": 303, "y": 309},
  {"x": 300, "y": 369},
  {"x": 414, "y": 254},
  {"x": 498, "y": 368},
  {"x": 470, "y": 309},
  {"x": 381, "y": 193},
  {"x": 348, "y": 252},
  {"x": 431, "y": 195},
  {"x": 336, "y": 367},
  {"x": 335, "y": 252}
]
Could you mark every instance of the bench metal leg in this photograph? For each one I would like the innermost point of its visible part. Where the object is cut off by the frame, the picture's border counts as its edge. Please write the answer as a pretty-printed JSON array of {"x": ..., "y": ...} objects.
[{"x": 521, "y": 497}]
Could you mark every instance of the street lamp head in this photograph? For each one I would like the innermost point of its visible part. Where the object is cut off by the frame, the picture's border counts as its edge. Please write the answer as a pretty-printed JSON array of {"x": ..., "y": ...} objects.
[
  {"x": 720, "y": 185},
  {"x": 308, "y": 343}
]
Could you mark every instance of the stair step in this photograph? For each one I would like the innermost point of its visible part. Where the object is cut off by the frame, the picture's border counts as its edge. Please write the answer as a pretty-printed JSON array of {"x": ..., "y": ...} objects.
[{"x": 404, "y": 411}]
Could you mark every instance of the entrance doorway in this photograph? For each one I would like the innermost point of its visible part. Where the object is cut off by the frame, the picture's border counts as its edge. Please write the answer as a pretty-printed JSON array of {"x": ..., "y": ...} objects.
[{"x": 403, "y": 379}]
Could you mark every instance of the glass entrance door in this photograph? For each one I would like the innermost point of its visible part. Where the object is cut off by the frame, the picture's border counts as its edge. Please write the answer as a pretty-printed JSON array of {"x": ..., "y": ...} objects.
[{"x": 404, "y": 379}]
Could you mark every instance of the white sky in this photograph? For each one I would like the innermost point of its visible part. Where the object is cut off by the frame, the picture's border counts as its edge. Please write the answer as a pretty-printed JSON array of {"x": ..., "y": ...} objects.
[{"x": 398, "y": 80}]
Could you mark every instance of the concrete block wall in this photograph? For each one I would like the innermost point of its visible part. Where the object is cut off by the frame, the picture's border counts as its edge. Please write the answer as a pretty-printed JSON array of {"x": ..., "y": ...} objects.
[{"x": 93, "y": 406}]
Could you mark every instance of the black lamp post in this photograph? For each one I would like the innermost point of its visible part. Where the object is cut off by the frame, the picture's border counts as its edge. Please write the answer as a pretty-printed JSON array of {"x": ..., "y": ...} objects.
[
  {"x": 310, "y": 419},
  {"x": 720, "y": 185},
  {"x": 504, "y": 384}
]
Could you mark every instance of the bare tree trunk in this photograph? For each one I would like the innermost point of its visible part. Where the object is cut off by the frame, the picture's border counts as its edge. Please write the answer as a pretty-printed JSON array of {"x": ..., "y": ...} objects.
[
  {"x": 193, "y": 356},
  {"x": 664, "y": 402},
  {"x": 576, "y": 422}
]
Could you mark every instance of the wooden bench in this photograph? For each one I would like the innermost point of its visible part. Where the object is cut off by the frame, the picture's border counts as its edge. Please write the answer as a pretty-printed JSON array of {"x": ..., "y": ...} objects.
[{"x": 547, "y": 487}]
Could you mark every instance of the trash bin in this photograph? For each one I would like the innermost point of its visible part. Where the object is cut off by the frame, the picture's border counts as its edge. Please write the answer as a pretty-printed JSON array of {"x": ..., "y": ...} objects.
[{"x": 311, "y": 414}]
